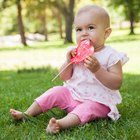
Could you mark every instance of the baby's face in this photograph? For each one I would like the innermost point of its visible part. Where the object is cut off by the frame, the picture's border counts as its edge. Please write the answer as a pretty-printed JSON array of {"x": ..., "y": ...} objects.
[{"x": 89, "y": 25}]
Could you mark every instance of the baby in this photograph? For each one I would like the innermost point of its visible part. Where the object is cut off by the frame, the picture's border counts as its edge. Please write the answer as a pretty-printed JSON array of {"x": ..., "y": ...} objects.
[{"x": 90, "y": 89}]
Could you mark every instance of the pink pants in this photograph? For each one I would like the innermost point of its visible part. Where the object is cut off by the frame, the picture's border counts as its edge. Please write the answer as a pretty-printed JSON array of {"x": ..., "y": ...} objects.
[{"x": 61, "y": 97}]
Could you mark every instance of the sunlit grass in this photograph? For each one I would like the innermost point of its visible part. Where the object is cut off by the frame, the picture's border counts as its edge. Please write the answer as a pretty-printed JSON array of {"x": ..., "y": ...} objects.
[{"x": 53, "y": 53}]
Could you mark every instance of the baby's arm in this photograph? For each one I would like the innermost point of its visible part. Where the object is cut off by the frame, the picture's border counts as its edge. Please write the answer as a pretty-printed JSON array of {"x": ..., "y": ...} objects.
[
  {"x": 67, "y": 73},
  {"x": 111, "y": 78}
]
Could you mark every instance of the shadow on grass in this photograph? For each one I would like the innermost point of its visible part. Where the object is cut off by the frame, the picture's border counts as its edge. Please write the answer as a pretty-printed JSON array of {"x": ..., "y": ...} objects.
[
  {"x": 41, "y": 69},
  {"x": 131, "y": 82},
  {"x": 19, "y": 88},
  {"x": 129, "y": 90}
]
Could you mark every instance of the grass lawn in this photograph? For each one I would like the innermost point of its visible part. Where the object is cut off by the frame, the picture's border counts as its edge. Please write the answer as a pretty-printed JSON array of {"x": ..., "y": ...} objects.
[{"x": 27, "y": 76}]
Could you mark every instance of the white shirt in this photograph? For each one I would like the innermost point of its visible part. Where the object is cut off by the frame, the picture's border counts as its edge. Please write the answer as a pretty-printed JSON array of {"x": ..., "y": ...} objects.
[{"x": 85, "y": 86}]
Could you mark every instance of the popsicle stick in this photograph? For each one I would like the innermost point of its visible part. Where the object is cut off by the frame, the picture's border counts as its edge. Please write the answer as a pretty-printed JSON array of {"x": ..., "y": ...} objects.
[{"x": 61, "y": 71}]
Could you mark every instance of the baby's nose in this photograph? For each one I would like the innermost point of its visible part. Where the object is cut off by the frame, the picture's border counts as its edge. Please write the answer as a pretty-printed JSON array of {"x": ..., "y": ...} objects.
[
  {"x": 85, "y": 33},
  {"x": 85, "y": 37}
]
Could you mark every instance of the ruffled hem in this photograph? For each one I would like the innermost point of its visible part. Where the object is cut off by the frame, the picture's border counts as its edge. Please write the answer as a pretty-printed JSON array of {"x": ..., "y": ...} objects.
[{"x": 114, "y": 113}]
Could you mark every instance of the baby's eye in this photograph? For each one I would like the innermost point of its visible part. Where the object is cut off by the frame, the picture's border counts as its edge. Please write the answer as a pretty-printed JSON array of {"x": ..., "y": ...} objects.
[
  {"x": 78, "y": 29},
  {"x": 91, "y": 27}
]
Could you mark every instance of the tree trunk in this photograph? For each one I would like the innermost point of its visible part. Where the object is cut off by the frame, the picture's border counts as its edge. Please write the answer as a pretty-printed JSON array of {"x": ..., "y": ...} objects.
[
  {"x": 131, "y": 15},
  {"x": 69, "y": 17},
  {"x": 44, "y": 23},
  {"x": 67, "y": 11},
  {"x": 20, "y": 23},
  {"x": 60, "y": 25},
  {"x": 57, "y": 14},
  {"x": 68, "y": 28}
]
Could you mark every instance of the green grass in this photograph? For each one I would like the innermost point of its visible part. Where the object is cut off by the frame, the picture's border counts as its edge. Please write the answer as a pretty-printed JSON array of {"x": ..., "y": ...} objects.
[
  {"x": 21, "y": 84},
  {"x": 19, "y": 89}
]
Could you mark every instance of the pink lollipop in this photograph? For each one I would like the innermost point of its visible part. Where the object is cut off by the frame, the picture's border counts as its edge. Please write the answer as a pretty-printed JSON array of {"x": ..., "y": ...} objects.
[{"x": 82, "y": 51}]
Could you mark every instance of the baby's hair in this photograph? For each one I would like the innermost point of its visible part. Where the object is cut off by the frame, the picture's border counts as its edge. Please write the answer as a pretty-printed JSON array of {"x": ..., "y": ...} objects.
[{"x": 99, "y": 10}]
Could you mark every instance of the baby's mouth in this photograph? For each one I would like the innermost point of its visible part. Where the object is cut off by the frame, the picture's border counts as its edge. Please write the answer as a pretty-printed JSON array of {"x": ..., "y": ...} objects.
[{"x": 92, "y": 43}]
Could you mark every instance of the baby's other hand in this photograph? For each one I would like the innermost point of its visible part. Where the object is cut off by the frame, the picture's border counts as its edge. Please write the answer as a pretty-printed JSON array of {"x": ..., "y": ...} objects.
[
  {"x": 92, "y": 63},
  {"x": 71, "y": 54}
]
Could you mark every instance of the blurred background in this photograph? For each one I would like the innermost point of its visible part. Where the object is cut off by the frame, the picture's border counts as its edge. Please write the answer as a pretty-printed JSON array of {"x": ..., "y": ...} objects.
[{"x": 32, "y": 31}]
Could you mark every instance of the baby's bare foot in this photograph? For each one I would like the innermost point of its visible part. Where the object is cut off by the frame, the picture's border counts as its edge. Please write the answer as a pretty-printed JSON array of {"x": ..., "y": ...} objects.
[
  {"x": 53, "y": 126},
  {"x": 16, "y": 115}
]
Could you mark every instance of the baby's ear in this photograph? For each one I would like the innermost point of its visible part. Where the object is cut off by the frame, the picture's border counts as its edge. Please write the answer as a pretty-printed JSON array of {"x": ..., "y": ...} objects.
[{"x": 107, "y": 32}]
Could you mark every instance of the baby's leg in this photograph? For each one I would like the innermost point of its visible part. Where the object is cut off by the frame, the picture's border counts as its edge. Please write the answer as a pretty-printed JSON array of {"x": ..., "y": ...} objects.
[
  {"x": 82, "y": 114},
  {"x": 33, "y": 110},
  {"x": 90, "y": 110},
  {"x": 54, "y": 97},
  {"x": 55, "y": 126}
]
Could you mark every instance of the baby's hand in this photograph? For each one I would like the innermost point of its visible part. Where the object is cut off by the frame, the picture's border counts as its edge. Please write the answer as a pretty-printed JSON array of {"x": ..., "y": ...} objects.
[
  {"x": 92, "y": 63},
  {"x": 71, "y": 54}
]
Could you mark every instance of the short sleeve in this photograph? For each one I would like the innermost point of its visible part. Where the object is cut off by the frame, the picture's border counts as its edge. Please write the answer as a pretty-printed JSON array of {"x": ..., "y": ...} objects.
[
  {"x": 117, "y": 56},
  {"x": 123, "y": 57},
  {"x": 113, "y": 59}
]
